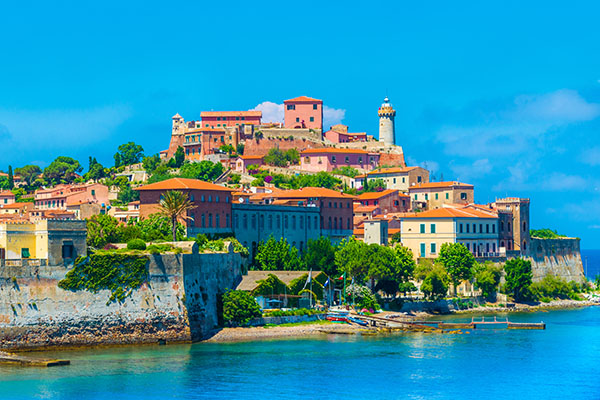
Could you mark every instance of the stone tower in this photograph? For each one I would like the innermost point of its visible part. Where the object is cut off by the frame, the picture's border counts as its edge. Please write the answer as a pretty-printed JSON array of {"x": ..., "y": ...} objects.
[
  {"x": 520, "y": 221},
  {"x": 178, "y": 125},
  {"x": 386, "y": 122}
]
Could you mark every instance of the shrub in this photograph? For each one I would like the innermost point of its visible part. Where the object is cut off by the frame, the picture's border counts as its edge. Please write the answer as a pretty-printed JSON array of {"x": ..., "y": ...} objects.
[
  {"x": 136, "y": 244},
  {"x": 239, "y": 307}
]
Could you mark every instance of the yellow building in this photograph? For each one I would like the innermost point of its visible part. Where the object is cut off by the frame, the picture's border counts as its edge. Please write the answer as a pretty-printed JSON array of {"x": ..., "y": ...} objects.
[
  {"x": 425, "y": 232},
  {"x": 434, "y": 195},
  {"x": 400, "y": 178},
  {"x": 57, "y": 241}
]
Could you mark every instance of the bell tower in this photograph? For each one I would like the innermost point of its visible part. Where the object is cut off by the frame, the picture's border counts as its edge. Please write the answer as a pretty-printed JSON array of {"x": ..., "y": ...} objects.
[{"x": 386, "y": 122}]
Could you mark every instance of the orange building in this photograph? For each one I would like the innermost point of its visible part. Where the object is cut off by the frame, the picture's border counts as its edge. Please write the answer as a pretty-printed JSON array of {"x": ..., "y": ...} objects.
[
  {"x": 223, "y": 119},
  {"x": 303, "y": 112}
]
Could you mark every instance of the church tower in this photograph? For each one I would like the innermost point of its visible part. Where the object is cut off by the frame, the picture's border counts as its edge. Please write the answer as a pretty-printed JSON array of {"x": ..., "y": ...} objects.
[{"x": 386, "y": 122}]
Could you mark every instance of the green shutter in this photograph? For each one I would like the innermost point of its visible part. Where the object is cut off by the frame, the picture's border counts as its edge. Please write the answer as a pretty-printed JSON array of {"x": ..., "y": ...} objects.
[
  {"x": 422, "y": 228},
  {"x": 422, "y": 249}
]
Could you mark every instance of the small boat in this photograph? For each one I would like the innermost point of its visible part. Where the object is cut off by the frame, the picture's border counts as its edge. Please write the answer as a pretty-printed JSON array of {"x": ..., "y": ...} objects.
[
  {"x": 358, "y": 321},
  {"x": 337, "y": 317}
]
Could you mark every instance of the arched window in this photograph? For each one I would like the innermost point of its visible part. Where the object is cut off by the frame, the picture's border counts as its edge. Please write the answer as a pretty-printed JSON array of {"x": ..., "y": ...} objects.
[
  {"x": 278, "y": 221},
  {"x": 217, "y": 221},
  {"x": 261, "y": 221},
  {"x": 329, "y": 225},
  {"x": 335, "y": 223},
  {"x": 270, "y": 222},
  {"x": 253, "y": 221},
  {"x": 524, "y": 245},
  {"x": 245, "y": 221},
  {"x": 210, "y": 221},
  {"x": 524, "y": 226},
  {"x": 204, "y": 220}
]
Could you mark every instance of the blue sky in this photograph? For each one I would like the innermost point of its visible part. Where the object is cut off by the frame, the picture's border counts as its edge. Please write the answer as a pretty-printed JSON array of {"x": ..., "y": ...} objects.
[{"x": 504, "y": 95}]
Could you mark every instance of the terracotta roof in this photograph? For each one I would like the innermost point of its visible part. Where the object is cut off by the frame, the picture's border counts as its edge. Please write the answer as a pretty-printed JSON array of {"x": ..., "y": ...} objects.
[
  {"x": 397, "y": 170},
  {"x": 303, "y": 99},
  {"x": 451, "y": 213},
  {"x": 231, "y": 114},
  {"x": 16, "y": 205},
  {"x": 134, "y": 202},
  {"x": 377, "y": 195},
  {"x": 364, "y": 209},
  {"x": 8, "y": 193},
  {"x": 251, "y": 157},
  {"x": 310, "y": 192},
  {"x": 183, "y": 183},
  {"x": 359, "y": 232},
  {"x": 434, "y": 185},
  {"x": 360, "y": 176},
  {"x": 334, "y": 150}
]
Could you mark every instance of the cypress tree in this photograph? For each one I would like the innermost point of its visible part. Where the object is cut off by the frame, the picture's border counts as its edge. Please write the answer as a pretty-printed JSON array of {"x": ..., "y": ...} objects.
[{"x": 11, "y": 178}]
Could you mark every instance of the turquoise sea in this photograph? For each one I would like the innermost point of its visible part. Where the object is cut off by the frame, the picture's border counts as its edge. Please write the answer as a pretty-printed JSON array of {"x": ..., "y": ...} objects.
[{"x": 561, "y": 362}]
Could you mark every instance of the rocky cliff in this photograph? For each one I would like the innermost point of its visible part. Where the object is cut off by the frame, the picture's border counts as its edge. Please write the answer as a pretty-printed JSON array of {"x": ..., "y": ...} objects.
[{"x": 560, "y": 257}]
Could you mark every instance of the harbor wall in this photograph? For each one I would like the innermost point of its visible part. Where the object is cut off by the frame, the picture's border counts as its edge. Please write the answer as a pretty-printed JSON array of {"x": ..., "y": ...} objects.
[
  {"x": 179, "y": 302},
  {"x": 560, "y": 257}
]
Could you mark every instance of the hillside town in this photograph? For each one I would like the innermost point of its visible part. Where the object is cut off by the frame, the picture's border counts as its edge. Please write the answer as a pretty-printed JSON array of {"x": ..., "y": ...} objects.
[{"x": 370, "y": 193}]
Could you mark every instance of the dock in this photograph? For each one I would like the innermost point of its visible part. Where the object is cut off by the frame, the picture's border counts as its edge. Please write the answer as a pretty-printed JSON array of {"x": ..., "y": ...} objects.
[{"x": 15, "y": 359}]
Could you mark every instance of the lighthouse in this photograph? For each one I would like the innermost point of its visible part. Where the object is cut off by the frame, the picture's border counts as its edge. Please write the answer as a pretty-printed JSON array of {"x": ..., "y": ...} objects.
[{"x": 386, "y": 122}]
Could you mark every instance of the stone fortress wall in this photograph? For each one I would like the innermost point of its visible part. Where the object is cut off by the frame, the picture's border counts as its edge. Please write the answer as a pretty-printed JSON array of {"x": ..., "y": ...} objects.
[
  {"x": 179, "y": 302},
  {"x": 560, "y": 257}
]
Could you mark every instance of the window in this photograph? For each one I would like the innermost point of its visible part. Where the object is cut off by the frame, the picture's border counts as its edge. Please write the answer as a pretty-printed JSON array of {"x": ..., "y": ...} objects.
[
  {"x": 270, "y": 222},
  {"x": 203, "y": 221},
  {"x": 360, "y": 160},
  {"x": 245, "y": 221},
  {"x": 216, "y": 199},
  {"x": 422, "y": 249},
  {"x": 460, "y": 228},
  {"x": 487, "y": 228},
  {"x": 192, "y": 197},
  {"x": 210, "y": 225},
  {"x": 474, "y": 228},
  {"x": 253, "y": 221},
  {"x": 468, "y": 245},
  {"x": 426, "y": 196},
  {"x": 314, "y": 106},
  {"x": 432, "y": 248},
  {"x": 463, "y": 196},
  {"x": 419, "y": 179},
  {"x": 285, "y": 221},
  {"x": 415, "y": 197},
  {"x": 422, "y": 228},
  {"x": 202, "y": 198},
  {"x": 93, "y": 192},
  {"x": 432, "y": 227},
  {"x": 312, "y": 119},
  {"x": 468, "y": 227},
  {"x": 447, "y": 196},
  {"x": 396, "y": 203},
  {"x": 334, "y": 205},
  {"x": 347, "y": 160},
  {"x": 236, "y": 220},
  {"x": 293, "y": 222},
  {"x": 291, "y": 106},
  {"x": 217, "y": 221},
  {"x": 329, "y": 225},
  {"x": 502, "y": 227},
  {"x": 493, "y": 228},
  {"x": 301, "y": 221},
  {"x": 261, "y": 221},
  {"x": 524, "y": 226},
  {"x": 278, "y": 221},
  {"x": 403, "y": 180},
  {"x": 25, "y": 252},
  {"x": 333, "y": 159},
  {"x": 297, "y": 119},
  {"x": 436, "y": 196},
  {"x": 480, "y": 228}
]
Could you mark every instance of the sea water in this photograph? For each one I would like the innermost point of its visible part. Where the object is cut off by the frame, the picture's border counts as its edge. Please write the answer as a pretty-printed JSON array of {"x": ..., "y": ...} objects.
[{"x": 561, "y": 362}]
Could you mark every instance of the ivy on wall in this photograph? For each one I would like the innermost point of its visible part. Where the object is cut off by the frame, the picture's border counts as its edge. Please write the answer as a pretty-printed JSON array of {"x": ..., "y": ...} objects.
[{"x": 119, "y": 273}]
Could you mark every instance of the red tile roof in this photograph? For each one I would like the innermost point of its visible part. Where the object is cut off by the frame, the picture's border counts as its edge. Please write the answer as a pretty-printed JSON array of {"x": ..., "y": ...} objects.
[
  {"x": 182, "y": 184},
  {"x": 451, "y": 213},
  {"x": 16, "y": 205},
  {"x": 252, "y": 157},
  {"x": 302, "y": 99},
  {"x": 396, "y": 170},
  {"x": 334, "y": 150},
  {"x": 439, "y": 185},
  {"x": 378, "y": 195},
  {"x": 251, "y": 113},
  {"x": 311, "y": 192}
]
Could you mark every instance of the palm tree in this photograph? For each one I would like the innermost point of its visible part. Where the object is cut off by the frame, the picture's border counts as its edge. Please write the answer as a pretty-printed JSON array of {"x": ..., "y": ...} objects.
[{"x": 175, "y": 205}]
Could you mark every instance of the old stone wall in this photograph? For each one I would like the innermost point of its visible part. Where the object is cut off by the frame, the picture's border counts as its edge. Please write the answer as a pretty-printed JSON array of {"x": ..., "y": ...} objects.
[
  {"x": 179, "y": 302},
  {"x": 260, "y": 147},
  {"x": 560, "y": 257}
]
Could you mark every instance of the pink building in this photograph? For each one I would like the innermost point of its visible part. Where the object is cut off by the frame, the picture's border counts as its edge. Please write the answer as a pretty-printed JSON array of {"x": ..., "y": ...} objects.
[
  {"x": 303, "y": 112},
  {"x": 222, "y": 119},
  {"x": 328, "y": 159},
  {"x": 242, "y": 162},
  {"x": 6, "y": 197},
  {"x": 58, "y": 197},
  {"x": 339, "y": 134}
]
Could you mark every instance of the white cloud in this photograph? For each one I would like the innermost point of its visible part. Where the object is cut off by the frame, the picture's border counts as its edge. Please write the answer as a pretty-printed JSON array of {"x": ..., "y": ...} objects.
[
  {"x": 591, "y": 156},
  {"x": 517, "y": 127},
  {"x": 466, "y": 172},
  {"x": 332, "y": 116},
  {"x": 271, "y": 112},
  {"x": 559, "y": 181}
]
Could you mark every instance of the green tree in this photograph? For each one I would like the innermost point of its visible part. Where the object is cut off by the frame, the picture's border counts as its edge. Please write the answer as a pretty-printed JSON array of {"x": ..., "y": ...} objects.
[
  {"x": 150, "y": 163},
  {"x": 95, "y": 171},
  {"x": 518, "y": 277},
  {"x": 28, "y": 173},
  {"x": 127, "y": 195},
  {"x": 544, "y": 234},
  {"x": 11, "y": 178},
  {"x": 3, "y": 183},
  {"x": 179, "y": 157},
  {"x": 435, "y": 283},
  {"x": 235, "y": 178},
  {"x": 277, "y": 255},
  {"x": 351, "y": 257},
  {"x": 175, "y": 206},
  {"x": 239, "y": 307},
  {"x": 276, "y": 158},
  {"x": 101, "y": 230},
  {"x": 487, "y": 278},
  {"x": 458, "y": 261},
  {"x": 240, "y": 148},
  {"x": 62, "y": 169},
  {"x": 292, "y": 156},
  {"x": 158, "y": 227},
  {"x": 227, "y": 148},
  {"x": 346, "y": 171},
  {"x": 128, "y": 153},
  {"x": 204, "y": 170},
  {"x": 320, "y": 256},
  {"x": 374, "y": 185}
]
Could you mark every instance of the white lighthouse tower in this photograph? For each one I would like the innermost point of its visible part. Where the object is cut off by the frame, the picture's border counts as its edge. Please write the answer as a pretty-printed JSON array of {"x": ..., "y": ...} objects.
[{"x": 386, "y": 122}]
